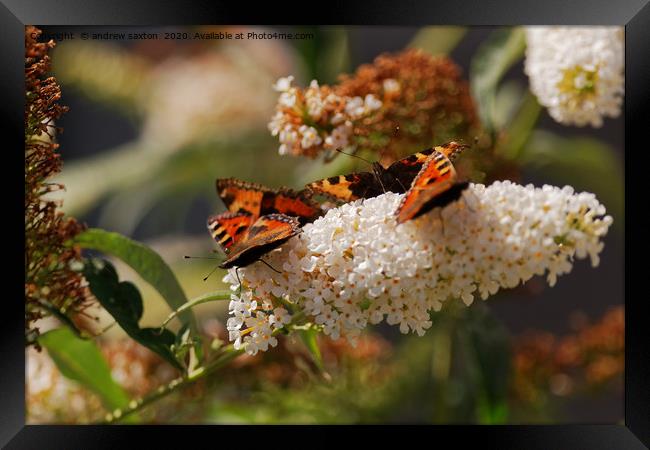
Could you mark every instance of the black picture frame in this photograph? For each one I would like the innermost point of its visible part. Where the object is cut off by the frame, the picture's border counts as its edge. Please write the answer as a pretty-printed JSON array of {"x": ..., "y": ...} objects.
[{"x": 633, "y": 14}]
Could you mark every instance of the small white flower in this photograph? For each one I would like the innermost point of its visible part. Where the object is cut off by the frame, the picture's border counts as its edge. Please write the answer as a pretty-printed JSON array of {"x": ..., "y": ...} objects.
[
  {"x": 372, "y": 103},
  {"x": 283, "y": 84},
  {"x": 339, "y": 137},
  {"x": 279, "y": 318},
  {"x": 310, "y": 136},
  {"x": 288, "y": 135},
  {"x": 288, "y": 99},
  {"x": 577, "y": 72},
  {"x": 355, "y": 108},
  {"x": 391, "y": 86},
  {"x": 356, "y": 265}
]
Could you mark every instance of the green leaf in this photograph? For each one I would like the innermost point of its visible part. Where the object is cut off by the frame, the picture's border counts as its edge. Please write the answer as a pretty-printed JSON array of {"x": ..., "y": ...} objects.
[
  {"x": 501, "y": 51},
  {"x": 122, "y": 300},
  {"x": 81, "y": 361},
  {"x": 308, "y": 338},
  {"x": 508, "y": 101},
  {"x": 520, "y": 128},
  {"x": 438, "y": 40},
  {"x": 485, "y": 346},
  {"x": 147, "y": 263},
  {"x": 582, "y": 162}
]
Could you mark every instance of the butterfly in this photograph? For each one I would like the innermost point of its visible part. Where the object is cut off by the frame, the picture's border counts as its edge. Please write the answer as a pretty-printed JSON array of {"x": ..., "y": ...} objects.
[
  {"x": 258, "y": 219},
  {"x": 435, "y": 185},
  {"x": 398, "y": 177}
]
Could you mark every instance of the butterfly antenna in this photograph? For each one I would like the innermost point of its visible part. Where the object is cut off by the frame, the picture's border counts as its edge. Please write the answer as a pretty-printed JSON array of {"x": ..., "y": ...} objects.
[
  {"x": 270, "y": 266},
  {"x": 211, "y": 272},
  {"x": 353, "y": 155},
  {"x": 201, "y": 257}
]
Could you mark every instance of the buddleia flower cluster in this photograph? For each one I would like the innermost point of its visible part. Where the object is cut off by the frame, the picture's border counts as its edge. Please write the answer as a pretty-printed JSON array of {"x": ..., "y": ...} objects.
[
  {"x": 577, "y": 72},
  {"x": 314, "y": 119},
  {"x": 356, "y": 266},
  {"x": 399, "y": 102},
  {"x": 51, "y": 283}
]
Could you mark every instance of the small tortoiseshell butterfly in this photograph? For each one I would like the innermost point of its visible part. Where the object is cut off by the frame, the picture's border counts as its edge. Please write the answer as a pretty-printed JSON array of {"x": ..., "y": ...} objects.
[
  {"x": 435, "y": 185},
  {"x": 396, "y": 178},
  {"x": 258, "y": 220}
]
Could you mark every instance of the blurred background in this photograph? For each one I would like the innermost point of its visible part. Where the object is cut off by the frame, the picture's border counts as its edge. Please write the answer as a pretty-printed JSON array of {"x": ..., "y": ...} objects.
[{"x": 152, "y": 123}]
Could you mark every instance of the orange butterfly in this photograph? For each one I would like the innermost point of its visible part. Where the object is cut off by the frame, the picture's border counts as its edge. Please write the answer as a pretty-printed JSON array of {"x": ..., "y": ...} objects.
[
  {"x": 435, "y": 185},
  {"x": 258, "y": 220},
  {"x": 396, "y": 178}
]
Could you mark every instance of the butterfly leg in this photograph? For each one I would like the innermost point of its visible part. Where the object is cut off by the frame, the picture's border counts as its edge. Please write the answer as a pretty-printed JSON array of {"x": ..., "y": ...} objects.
[
  {"x": 269, "y": 266},
  {"x": 442, "y": 222},
  {"x": 400, "y": 183},
  {"x": 238, "y": 280}
]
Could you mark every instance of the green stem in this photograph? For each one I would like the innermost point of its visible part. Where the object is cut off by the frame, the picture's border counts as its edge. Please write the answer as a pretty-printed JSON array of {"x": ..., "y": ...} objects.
[
  {"x": 211, "y": 297},
  {"x": 228, "y": 353}
]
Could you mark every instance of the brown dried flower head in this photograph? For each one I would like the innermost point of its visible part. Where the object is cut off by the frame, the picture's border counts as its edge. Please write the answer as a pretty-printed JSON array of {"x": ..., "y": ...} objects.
[
  {"x": 51, "y": 284},
  {"x": 395, "y": 106},
  {"x": 590, "y": 357}
]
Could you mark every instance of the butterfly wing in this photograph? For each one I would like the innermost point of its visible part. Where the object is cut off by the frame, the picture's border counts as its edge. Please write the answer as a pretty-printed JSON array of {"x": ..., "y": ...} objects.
[
  {"x": 267, "y": 233},
  {"x": 451, "y": 149},
  {"x": 291, "y": 203},
  {"x": 257, "y": 200},
  {"x": 435, "y": 185},
  {"x": 240, "y": 196},
  {"x": 348, "y": 187},
  {"x": 228, "y": 228},
  {"x": 405, "y": 170}
]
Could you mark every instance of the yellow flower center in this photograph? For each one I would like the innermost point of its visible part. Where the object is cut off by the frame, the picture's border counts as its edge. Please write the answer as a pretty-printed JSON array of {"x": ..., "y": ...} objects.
[{"x": 579, "y": 82}]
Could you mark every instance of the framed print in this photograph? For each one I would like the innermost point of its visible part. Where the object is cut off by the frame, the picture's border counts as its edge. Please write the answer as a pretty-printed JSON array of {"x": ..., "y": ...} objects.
[{"x": 413, "y": 214}]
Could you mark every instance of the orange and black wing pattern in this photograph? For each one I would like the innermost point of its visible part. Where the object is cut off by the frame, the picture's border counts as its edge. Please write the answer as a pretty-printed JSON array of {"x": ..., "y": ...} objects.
[
  {"x": 348, "y": 187},
  {"x": 257, "y": 200},
  {"x": 268, "y": 232},
  {"x": 435, "y": 185},
  {"x": 241, "y": 196},
  {"x": 228, "y": 228},
  {"x": 405, "y": 170},
  {"x": 291, "y": 203}
]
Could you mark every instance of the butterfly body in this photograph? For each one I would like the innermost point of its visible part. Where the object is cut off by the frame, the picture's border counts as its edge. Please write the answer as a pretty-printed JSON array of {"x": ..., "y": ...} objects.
[
  {"x": 427, "y": 178},
  {"x": 396, "y": 178},
  {"x": 258, "y": 219}
]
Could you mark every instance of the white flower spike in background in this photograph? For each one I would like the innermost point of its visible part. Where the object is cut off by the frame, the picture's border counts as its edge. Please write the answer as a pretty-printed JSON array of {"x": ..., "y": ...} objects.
[
  {"x": 577, "y": 72},
  {"x": 323, "y": 108},
  {"x": 356, "y": 265}
]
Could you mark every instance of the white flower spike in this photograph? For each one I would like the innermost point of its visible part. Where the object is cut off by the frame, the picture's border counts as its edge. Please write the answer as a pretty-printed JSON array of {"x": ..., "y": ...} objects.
[
  {"x": 577, "y": 72},
  {"x": 356, "y": 265}
]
